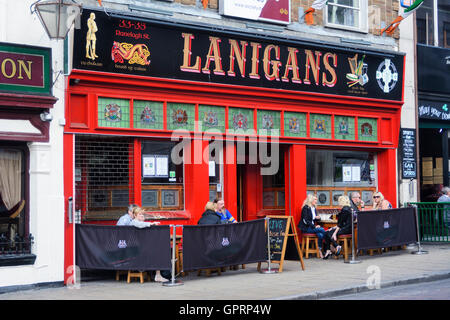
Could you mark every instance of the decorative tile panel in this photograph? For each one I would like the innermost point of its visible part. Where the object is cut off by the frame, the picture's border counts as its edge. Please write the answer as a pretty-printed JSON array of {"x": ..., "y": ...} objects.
[
  {"x": 113, "y": 113},
  {"x": 240, "y": 121},
  {"x": 344, "y": 128},
  {"x": 320, "y": 126},
  {"x": 148, "y": 115},
  {"x": 211, "y": 118},
  {"x": 294, "y": 124},
  {"x": 367, "y": 129},
  {"x": 268, "y": 123},
  {"x": 180, "y": 116}
]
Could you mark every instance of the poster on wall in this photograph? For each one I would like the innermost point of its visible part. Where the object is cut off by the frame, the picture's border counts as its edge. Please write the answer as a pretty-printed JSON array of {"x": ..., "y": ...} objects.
[
  {"x": 148, "y": 166},
  {"x": 276, "y": 11}
]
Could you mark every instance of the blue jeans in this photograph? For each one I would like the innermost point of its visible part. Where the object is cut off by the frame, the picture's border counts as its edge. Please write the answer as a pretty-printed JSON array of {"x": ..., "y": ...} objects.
[{"x": 320, "y": 233}]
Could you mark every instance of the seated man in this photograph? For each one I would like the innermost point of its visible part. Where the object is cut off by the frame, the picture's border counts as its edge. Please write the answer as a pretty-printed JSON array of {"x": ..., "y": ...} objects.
[
  {"x": 126, "y": 219},
  {"x": 226, "y": 216}
]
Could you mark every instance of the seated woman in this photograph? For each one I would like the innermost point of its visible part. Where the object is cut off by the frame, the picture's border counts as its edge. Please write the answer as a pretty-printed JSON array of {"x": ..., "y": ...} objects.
[
  {"x": 309, "y": 218},
  {"x": 380, "y": 203},
  {"x": 139, "y": 222},
  {"x": 344, "y": 226},
  {"x": 210, "y": 216}
]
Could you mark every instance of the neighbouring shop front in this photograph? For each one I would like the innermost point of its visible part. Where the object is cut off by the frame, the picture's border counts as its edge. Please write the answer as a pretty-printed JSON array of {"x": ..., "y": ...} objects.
[
  {"x": 25, "y": 101},
  {"x": 433, "y": 66},
  {"x": 169, "y": 116}
]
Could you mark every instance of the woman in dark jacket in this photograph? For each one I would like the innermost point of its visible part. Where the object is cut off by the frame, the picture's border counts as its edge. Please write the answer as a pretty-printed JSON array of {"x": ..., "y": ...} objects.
[
  {"x": 344, "y": 226},
  {"x": 210, "y": 216},
  {"x": 309, "y": 218}
]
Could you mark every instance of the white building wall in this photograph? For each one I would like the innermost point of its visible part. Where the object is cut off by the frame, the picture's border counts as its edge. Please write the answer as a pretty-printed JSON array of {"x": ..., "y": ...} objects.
[
  {"x": 19, "y": 26},
  {"x": 408, "y": 188}
]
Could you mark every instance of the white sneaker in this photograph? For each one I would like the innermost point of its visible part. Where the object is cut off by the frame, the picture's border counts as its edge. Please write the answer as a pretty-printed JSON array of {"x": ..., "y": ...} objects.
[{"x": 159, "y": 278}]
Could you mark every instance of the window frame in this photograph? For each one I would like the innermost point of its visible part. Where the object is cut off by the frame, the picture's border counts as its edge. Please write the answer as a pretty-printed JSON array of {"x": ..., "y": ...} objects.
[{"x": 363, "y": 25}]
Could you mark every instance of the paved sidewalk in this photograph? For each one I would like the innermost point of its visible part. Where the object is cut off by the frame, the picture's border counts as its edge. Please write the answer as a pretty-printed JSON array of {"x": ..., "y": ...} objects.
[{"x": 320, "y": 279}]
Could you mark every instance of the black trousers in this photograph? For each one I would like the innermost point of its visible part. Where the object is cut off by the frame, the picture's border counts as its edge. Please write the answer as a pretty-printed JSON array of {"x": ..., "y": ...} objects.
[{"x": 327, "y": 240}]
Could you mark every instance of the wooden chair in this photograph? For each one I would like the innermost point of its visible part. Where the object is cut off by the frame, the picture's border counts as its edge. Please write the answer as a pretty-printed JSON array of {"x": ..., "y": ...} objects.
[
  {"x": 345, "y": 240},
  {"x": 141, "y": 275},
  {"x": 120, "y": 273},
  {"x": 209, "y": 271},
  {"x": 311, "y": 242}
]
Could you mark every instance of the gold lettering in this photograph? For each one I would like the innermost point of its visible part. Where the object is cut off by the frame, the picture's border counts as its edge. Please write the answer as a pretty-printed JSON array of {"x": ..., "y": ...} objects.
[
  {"x": 275, "y": 75},
  {"x": 313, "y": 64},
  {"x": 214, "y": 55},
  {"x": 187, "y": 55},
  {"x": 255, "y": 60},
  {"x": 13, "y": 71},
  {"x": 325, "y": 81},
  {"x": 291, "y": 64},
  {"x": 23, "y": 67},
  {"x": 240, "y": 57}
]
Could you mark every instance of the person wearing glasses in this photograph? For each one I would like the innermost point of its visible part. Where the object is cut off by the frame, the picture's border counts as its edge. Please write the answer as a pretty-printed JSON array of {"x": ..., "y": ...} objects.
[{"x": 380, "y": 203}]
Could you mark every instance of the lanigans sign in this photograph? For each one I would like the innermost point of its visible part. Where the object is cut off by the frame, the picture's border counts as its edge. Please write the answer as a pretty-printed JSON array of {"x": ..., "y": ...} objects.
[
  {"x": 24, "y": 69},
  {"x": 148, "y": 48}
]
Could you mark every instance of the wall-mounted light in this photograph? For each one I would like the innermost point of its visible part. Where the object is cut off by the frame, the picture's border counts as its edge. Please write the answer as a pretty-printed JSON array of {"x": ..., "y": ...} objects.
[
  {"x": 57, "y": 16},
  {"x": 46, "y": 117}
]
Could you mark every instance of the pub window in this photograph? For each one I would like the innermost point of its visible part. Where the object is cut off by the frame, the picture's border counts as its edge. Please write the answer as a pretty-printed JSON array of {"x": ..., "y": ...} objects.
[
  {"x": 103, "y": 177},
  {"x": 273, "y": 185},
  {"x": 15, "y": 241},
  {"x": 331, "y": 174},
  {"x": 347, "y": 14},
  {"x": 162, "y": 178}
]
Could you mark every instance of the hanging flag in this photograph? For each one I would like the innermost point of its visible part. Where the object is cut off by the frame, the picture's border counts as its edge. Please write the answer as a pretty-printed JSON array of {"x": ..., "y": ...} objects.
[
  {"x": 205, "y": 3},
  {"x": 317, "y": 5},
  {"x": 408, "y": 11},
  {"x": 99, "y": 2}
]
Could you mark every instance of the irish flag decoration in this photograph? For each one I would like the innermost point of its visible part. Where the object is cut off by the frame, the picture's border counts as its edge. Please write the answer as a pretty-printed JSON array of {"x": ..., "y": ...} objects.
[
  {"x": 317, "y": 5},
  {"x": 205, "y": 3},
  {"x": 408, "y": 11}
]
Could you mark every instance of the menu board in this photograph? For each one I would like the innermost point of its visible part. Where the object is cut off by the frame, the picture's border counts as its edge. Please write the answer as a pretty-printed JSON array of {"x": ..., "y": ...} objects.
[{"x": 408, "y": 153}]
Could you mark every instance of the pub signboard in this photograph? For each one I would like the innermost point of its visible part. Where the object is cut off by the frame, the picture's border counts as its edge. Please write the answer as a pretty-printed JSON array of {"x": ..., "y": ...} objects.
[
  {"x": 143, "y": 47},
  {"x": 408, "y": 153},
  {"x": 25, "y": 69}
]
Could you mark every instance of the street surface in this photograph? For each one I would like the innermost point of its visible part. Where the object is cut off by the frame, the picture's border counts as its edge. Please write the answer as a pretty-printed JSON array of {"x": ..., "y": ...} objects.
[{"x": 436, "y": 290}]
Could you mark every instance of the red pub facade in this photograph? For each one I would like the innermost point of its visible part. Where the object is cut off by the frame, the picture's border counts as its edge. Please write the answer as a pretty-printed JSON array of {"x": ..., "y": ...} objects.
[{"x": 169, "y": 116}]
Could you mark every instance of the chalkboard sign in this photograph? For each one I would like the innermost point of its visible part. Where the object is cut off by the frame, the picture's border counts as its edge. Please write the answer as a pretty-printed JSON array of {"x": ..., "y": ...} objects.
[
  {"x": 278, "y": 228},
  {"x": 408, "y": 153}
]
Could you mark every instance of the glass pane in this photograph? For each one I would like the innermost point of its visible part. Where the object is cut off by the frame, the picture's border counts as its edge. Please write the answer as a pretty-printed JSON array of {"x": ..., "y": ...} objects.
[
  {"x": 350, "y": 3},
  {"x": 444, "y": 23},
  {"x": 425, "y": 24},
  {"x": 343, "y": 16}
]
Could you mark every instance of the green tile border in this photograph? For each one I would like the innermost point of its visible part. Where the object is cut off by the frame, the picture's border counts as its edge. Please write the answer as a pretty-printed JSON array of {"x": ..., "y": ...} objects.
[
  {"x": 119, "y": 119},
  {"x": 294, "y": 124},
  {"x": 344, "y": 128}
]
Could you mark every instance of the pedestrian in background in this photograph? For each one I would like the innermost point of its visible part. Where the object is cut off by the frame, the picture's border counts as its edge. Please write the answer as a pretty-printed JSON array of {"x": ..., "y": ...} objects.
[{"x": 446, "y": 198}]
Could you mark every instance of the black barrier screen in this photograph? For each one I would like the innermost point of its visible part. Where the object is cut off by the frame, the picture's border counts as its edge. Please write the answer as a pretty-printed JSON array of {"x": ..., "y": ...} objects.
[
  {"x": 387, "y": 228},
  {"x": 123, "y": 247},
  {"x": 212, "y": 246}
]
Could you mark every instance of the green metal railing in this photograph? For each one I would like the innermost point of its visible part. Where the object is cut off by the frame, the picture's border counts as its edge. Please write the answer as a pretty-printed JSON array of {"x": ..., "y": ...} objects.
[{"x": 433, "y": 220}]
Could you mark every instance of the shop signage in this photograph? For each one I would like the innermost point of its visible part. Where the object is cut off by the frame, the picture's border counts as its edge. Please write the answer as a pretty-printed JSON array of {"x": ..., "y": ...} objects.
[
  {"x": 437, "y": 110},
  {"x": 146, "y": 48},
  {"x": 25, "y": 69},
  {"x": 276, "y": 11},
  {"x": 433, "y": 69},
  {"x": 408, "y": 153}
]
